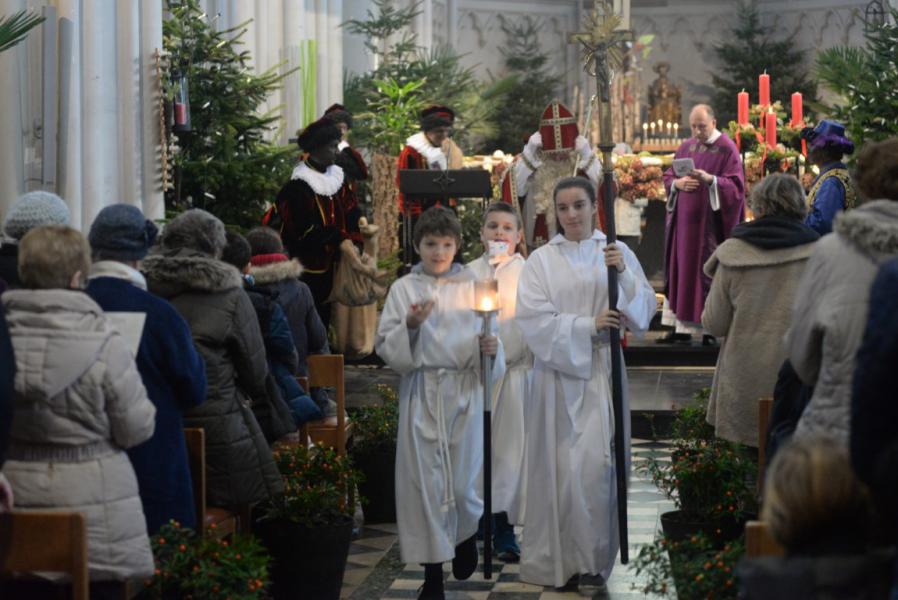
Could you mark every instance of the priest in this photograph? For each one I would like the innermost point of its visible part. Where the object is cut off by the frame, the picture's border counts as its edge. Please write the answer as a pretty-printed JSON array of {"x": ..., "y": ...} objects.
[
  {"x": 703, "y": 206},
  {"x": 555, "y": 151},
  {"x": 319, "y": 212}
]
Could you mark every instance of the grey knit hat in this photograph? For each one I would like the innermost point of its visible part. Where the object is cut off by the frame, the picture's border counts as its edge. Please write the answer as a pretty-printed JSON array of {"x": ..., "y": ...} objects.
[
  {"x": 121, "y": 232},
  {"x": 34, "y": 209},
  {"x": 195, "y": 229}
]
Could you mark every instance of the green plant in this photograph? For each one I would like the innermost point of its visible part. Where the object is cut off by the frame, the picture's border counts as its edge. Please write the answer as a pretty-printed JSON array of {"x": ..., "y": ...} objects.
[
  {"x": 225, "y": 163},
  {"x": 392, "y": 115},
  {"x": 864, "y": 80},
  {"x": 470, "y": 214},
  {"x": 692, "y": 568},
  {"x": 189, "y": 565},
  {"x": 690, "y": 424},
  {"x": 318, "y": 483},
  {"x": 376, "y": 426},
  {"x": 13, "y": 29},
  {"x": 746, "y": 52}
]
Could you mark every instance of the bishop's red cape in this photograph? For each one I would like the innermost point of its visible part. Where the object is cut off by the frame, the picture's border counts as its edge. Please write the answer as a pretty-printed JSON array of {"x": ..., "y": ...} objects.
[{"x": 693, "y": 229}]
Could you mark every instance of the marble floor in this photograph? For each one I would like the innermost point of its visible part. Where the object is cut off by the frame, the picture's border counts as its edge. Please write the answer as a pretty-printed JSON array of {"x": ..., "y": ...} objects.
[{"x": 375, "y": 570}]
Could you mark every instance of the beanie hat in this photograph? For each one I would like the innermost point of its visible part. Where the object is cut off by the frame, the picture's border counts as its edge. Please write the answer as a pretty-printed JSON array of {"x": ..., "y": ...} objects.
[
  {"x": 318, "y": 134},
  {"x": 121, "y": 232},
  {"x": 338, "y": 114},
  {"x": 437, "y": 116},
  {"x": 34, "y": 209},
  {"x": 195, "y": 229}
]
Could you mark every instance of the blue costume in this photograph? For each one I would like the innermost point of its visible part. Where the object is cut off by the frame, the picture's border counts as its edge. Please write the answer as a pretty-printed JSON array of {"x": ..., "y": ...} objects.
[{"x": 830, "y": 194}]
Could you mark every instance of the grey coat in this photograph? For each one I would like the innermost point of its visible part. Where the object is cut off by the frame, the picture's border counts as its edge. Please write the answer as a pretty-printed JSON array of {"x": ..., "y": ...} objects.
[
  {"x": 831, "y": 311},
  {"x": 750, "y": 305},
  {"x": 209, "y": 295},
  {"x": 79, "y": 402}
]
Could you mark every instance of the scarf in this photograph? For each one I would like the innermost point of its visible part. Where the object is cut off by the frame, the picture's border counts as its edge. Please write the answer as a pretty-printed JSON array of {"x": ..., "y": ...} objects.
[{"x": 771, "y": 233}]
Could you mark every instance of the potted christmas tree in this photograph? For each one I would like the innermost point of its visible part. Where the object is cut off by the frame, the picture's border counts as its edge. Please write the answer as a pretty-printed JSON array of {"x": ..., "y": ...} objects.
[
  {"x": 308, "y": 530},
  {"x": 374, "y": 452}
]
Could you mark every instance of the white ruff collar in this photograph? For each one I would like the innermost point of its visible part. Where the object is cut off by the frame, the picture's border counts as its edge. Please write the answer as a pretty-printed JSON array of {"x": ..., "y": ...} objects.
[
  {"x": 432, "y": 154},
  {"x": 323, "y": 184}
]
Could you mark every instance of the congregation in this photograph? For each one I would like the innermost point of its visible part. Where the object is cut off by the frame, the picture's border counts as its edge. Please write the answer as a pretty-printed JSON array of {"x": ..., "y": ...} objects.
[{"x": 113, "y": 340}]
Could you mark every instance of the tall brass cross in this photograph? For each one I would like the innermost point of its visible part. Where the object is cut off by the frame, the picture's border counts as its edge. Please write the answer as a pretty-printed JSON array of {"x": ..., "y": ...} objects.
[{"x": 602, "y": 44}]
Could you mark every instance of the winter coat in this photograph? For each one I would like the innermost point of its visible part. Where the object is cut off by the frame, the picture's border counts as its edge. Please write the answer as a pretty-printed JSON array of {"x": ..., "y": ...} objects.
[
  {"x": 7, "y": 385},
  {"x": 831, "y": 577},
  {"x": 874, "y": 402},
  {"x": 749, "y": 305},
  {"x": 79, "y": 402},
  {"x": 9, "y": 266},
  {"x": 831, "y": 312},
  {"x": 175, "y": 378},
  {"x": 295, "y": 298},
  {"x": 209, "y": 294}
]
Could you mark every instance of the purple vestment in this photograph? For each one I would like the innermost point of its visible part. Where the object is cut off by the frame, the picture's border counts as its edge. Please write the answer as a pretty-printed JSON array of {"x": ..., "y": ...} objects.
[{"x": 693, "y": 230}]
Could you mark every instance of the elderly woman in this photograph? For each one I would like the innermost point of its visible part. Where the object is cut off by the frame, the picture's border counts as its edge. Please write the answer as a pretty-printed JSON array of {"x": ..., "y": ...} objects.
[
  {"x": 832, "y": 302},
  {"x": 80, "y": 406},
  {"x": 209, "y": 294},
  {"x": 755, "y": 275}
]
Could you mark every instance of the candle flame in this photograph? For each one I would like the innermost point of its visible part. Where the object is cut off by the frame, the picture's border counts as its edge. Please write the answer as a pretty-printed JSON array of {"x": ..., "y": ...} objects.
[{"x": 486, "y": 304}]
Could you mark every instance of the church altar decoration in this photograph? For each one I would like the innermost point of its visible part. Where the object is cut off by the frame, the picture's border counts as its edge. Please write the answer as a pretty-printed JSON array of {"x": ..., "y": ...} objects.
[{"x": 639, "y": 177}]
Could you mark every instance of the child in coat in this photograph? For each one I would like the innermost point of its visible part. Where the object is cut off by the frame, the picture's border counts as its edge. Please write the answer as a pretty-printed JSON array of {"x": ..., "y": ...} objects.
[
  {"x": 502, "y": 234},
  {"x": 430, "y": 334}
]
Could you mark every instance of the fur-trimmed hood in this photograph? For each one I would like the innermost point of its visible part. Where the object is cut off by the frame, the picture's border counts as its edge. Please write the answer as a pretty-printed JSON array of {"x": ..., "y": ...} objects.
[
  {"x": 872, "y": 228},
  {"x": 278, "y": 271},
  {"x": 170, "y": 274}
]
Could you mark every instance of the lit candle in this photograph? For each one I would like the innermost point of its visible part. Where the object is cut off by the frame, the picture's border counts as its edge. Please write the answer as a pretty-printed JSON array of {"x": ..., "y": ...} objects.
[
  {"x": 669, "y": 128},
  {"x": 660, "y": 125},
  {"x": 764, "y": 89},
  {"x": 676, "y": 130},
  {"x": 797, "y": 114},
  {"x": 653, "y": 129},
  {"x": 743, "y": 107},
  {"x": 770, "y": 129},
  {"x": 645, "y": 131},
  {"x": 486, "y": 304}
]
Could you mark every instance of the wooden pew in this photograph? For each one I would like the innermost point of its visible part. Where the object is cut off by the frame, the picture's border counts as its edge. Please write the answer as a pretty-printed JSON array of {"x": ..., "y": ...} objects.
[
  {"x": 326, "y": 370},
  {"x": 218, "y": 522},
  {"x": 55, "y": 542},
  {"x": 758, "y": 541},
  {"x": 765, "y": 407}
]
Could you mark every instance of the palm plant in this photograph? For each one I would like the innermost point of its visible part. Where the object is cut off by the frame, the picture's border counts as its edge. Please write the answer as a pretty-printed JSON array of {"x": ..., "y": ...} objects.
[{"x": 14, "y": 29}]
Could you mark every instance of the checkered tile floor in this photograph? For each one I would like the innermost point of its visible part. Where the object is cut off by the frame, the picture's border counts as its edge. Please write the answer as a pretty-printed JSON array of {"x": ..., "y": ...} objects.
[{"x": 374, "y": 569}]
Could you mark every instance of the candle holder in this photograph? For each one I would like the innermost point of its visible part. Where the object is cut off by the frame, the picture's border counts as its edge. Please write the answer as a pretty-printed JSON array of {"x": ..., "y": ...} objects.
[{"x": 486, "y": 304}]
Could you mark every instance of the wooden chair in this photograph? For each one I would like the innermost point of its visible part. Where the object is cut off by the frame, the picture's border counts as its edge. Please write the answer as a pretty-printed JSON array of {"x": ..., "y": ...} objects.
[
  {"x": 218, "y": 522},
  {"x": 326, "y": 370},
  {"x": 758, "y": 541},
  {"x": 54, "y": 542},
  {"x": 765, "y": 407}
]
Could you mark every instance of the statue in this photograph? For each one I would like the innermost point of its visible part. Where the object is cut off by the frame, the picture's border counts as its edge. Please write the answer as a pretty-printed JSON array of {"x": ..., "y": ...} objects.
[{"x": 664, "y": 97}]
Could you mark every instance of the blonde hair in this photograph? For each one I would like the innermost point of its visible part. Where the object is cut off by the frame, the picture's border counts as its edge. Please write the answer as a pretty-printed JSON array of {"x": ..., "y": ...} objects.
[
  {"x": 49, "y": 257},
  {"x": 812, "y": 498}
]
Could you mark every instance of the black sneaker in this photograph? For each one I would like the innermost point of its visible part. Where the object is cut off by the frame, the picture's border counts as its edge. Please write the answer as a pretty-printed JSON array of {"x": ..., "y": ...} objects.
[
  {"x": 465, "y": 562},
  {"x": 592, "y": 586}
]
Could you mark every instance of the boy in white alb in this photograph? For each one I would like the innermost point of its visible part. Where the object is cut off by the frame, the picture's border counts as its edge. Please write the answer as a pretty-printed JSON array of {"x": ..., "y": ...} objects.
[
  {"x": 430, "y": 334},
  {"x": 502, "y": 235}
]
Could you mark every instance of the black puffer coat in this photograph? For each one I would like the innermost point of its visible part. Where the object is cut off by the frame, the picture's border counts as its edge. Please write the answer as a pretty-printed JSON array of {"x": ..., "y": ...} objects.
[{"x": 209, "y": 295}]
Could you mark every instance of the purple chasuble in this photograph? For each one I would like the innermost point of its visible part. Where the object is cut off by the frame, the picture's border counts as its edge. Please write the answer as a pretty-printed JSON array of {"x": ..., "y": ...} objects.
[{"x": 693, "y": 230}]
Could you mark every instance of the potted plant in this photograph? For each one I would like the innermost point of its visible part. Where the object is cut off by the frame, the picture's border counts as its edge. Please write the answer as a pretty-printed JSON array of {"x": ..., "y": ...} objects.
[
  {"x": 374, "y": 452},
  {"x": 308, "y": 530},
  {"x": 689, "y": 568},
  {"x": 189, "y": 565}
]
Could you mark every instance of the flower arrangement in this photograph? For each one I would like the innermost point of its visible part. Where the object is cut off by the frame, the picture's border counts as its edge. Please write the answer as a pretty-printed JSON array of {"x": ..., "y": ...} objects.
[
  {"x": 691, "y": 568},
  {"x": 376, "y": 425},
  {"x": 317, "y": 485},
  {"x": 639, "y": 177},
  {"x": 189, "y": 565}
]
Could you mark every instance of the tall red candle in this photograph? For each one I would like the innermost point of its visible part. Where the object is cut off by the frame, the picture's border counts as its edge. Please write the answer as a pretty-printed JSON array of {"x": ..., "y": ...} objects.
[
  {"x": 797, "y": 115},
  {"x": 770, "y": 129},
  {"x": 764, "y": 89},
  {"x": 743, "y": 107}
]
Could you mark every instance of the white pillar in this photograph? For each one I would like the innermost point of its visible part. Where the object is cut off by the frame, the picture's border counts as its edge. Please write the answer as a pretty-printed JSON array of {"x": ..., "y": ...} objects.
[
  {"x": 293, "y": 35},
  {"x": 153, "y": 199},
  {"x": 321, "y": 35},
  {"x": 12, "y": 166},
  {"x": 334, "y": 64},
  {"x": 69, "y": 176},
  {"x": 452, "y": 22},
  {"x": 127, "y": 38}
]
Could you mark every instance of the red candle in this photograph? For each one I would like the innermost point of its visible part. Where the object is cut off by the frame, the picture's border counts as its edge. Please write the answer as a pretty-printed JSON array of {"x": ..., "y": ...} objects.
[
  {"x": 180, "y": 113},
  {"x": 797, "y": 115},
  {"x": 764, "y": 89},
  {"x": 770, "y": 129},
  {"x": 743, "y": 107}
]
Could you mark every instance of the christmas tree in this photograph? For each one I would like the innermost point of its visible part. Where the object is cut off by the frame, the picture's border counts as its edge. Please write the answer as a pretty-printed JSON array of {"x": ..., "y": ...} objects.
[
  {"x": 746, "y": 52},
  {"x": 225, "y": 164},
  {"x": 534, "y": 87},
  {"x": 865, "y": 79}
]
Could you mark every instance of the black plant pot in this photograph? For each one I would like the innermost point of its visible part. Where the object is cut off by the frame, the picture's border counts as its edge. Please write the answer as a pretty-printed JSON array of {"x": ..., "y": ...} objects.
[
  {"x": 379, "y": 488},
  {"x": 307, "y": 562},
  {"x": 719, "y": 531}
]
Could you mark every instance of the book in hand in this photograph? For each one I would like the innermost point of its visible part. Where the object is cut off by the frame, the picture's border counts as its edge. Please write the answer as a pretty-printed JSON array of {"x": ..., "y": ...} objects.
[{"x": 683, "y": 166}]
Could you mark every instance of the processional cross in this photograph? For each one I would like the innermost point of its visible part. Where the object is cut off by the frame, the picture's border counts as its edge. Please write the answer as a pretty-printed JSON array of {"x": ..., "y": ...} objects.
[{"x": 603, "y": 49}]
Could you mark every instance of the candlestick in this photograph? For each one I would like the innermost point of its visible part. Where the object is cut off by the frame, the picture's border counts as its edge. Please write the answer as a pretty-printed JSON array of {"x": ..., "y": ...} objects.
[
  {"x": 797, "y": 114},
  {"x": 764, "y": 89},
  {"x": 645, "y": 131},
  {"x": 676, "y": 131},
  {"x": 743, "y": 107},
  {"x": 669, "y": 128},
  {"x": 653, "y": 129},
  {"x": 770, "y": 129}
]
